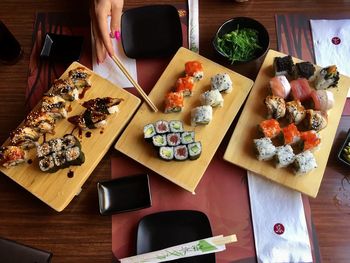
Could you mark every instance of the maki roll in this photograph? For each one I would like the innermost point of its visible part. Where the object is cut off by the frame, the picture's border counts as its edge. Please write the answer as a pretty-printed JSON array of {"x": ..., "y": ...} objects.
[
  {"x": 162, "y": 127},
  {"x": 80, "y": 77},
  {"x": 315, "y": 120},
  {"x": 269, "y": 128},
  {"x": 276, "y": 107},
  {"x": 221, "y": 82},
  {"x": 304, "y": 162},
  {"x": 74, "y": 156},
  {"x": 283, "y": 65},
  {"x": 54, "y": 105},
  {"x": 70, "y": 140},
  {"x": 41, "y": 122},
  {"x": 327, "y": 77},
  {"x": 264, "y": 149},
  {"x": 59, "y": 159},
  {"x": 212, "y": 98},
  {"x": 180, "y": 152},
  {"x": 149, "y": 131},
  {"x": 106, "y": 105},
  {"x": 194, "y": 69},
  {"x": 43, "y": 149},
  {"x": 173, "y": 139},
  {"x": 47, "y": 164},
  {"x": 194, "y": 150},
  {"x": 304, "y": 70},
  {"x": 201, "y": 115},
  {"x": 295, "y": 112},
  {"x": 55, "y": 144},
  {"x": 187, "y": 137},
  {"x": 176, "y": 126},
  {"x": 12, "y": 156},
  {"x": 174, "y": 102},
  {"x": 185, "y": 85},
  {"x": 66, "y": 89},
  {"x": 284, "y": 156},
  {"x": 166, "y": 153},
  {"x": 24, "y": 137},
  {"x": 290, "y": 134},
  {"x": 159, "y": 140}
]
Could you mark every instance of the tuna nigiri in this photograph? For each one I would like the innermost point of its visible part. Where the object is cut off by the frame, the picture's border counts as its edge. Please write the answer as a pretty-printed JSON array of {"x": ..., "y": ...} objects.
[
  {"x": 280, "y": 86},
  {"x": 322, "y": 100},
  {"x": 300, "y": 89}
]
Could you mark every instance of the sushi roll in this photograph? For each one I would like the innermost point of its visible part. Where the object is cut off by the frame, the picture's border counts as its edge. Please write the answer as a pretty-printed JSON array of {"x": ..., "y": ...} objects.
[
  {"x": 159, "y": 140},
  {"x": 12, "y": 156},
  {"x": 304, "y": 70},
  {"x": 66, "y": 89},
  {"x": 187, "y": 137},
  {"x": 174, "y": 102},
  {"x": 176, "y": 126},
  {"x": 80, "y": 77},
  {"x": 59, "y": 159},
  {"x": 201, "y": 115},
  {"x": 327, "y": 77},
  {"x": 212, "y": 98},
  {"x": 56, "y": 144},
  {"x": 304, "y": 162},
  {"x": 221, "y": 82},
  {"x": 89, "y": 120},
  {"x": 24, "y": 137},
  {"x": 40, "y": 121},
  {"x": 43, "y": 149},
  {"x": 70, "y": 140},
  {"x": 194, "y": 150},
  {"x": 280, "y": 86},
  {"x": 309, "y": 140},
  {"x": 173, "y": 139},
  {"x": 162, "y": 127},
  {"x": 166, "y": 153},
  {"x": 185, "y": 85},
  {"x": 290, "y": 134},
  {"x": 315, "y": 120},
  {"x": 264, "y": 149},
  {"x": 106, "y": 105},
  {"x": 284, "y": 156},
  {"x": 283, "y": 65},
  {"x": 322, "y": 100},
  {"x": 300, "y": 89},
  {"x": 269, "y": 128},
  {"x": 180, "y": 153},
  {"x": 295, "y": 111},
  {"x": 47, "y": 164},
  {"x": 194, "y": 69},
  {"x": 74, "y": 156},
  {"x": 54, "y": 105},
  {"x": 276, "y": 107},
  {"x": 149, "y": 131}
]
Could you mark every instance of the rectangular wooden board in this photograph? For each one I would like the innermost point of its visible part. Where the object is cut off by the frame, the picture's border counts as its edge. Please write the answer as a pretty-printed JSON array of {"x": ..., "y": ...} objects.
[
  {"x": 58, "y": 189},
  {"x": 240, "y": 148},
  {"x": 186, "y": 174}
]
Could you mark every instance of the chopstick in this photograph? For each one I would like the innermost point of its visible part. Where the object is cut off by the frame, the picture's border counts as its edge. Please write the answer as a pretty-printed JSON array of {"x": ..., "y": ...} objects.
[
  {"x": 221, "y": 240},
  {"x": 134, "y": 83}
]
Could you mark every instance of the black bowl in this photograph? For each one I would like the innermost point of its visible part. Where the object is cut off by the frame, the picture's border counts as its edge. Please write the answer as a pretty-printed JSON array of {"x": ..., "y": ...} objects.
[
  {"x": 346, "y": 143},
  {"x": 250, "y": 67}
]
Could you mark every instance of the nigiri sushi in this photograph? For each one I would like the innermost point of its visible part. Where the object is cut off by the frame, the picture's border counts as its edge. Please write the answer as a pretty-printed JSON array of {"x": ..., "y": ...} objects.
[
  {"x": 304, "y": 70},
  {"x": 322, "y": 100},
  {"x": 54, "y": 105},
  {"x": 300, "y": 89},
  {"x": 89, "y": 120},
  {"x": 290, "y": 134},
  {"x": 66, "y": 89},
  {"x": 315, "y": 120},
  {"x": 12, "y": 155},
  {"x": 269, "y": 128},
  {"x": 194, "y": 69},
  {"x": 24, "y": 137},
  {"x": 276, "y": 107},
  {"x": 80, "y": 77},
  {"x": 185, "y": 85},
  {"x": 280, "y": 86},
  {"x": 327, "y": 77},
  {"x": 105, "y": 105},
  {"x": 283, "y": 65},
  {"x": 309, "y": 140},
  {"x": 174, "y": 102},
  {"x": 295, "y": 111},
  {"x": 221, "y": 82}
]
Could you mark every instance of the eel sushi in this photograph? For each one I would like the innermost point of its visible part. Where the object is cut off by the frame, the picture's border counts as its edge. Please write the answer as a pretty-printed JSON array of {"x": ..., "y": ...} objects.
[
  {"x": 269, "y": 128},
  {"x": 300, "y": 89},
  {"x": 283, "y": 65},
  {"x": 264, "y": 148},
  {"x": 221, "y": 82},
  {"x": 304, "y": 162},
  {"x": 12, "y": 156},
  {"x": 66, "y": 89},
  {"x": 290, "y": 134},
  {"x": 304, "y": 70},
  {"x": 41, "y": 122},
  {"x": 276, "y": 107},
  {"x": 106, "y": 105},
  {"x": 315, "y": 120},
  {"x": 24, "y": 137},
  {"x": 174, "y": 102},
  {"x": 194, "y": 69},
  {"x": 280, "y": 86},
  {"x": 295, "y": 111},
  {"x": 185, "y": 85},
  {"x": 54, "y": 105},
  {"x": 201, "y": 115},
  {"x": 80, "y": 76},
  {"x": 89, "y": 120},
  {"x": 322, "y": 100},
  {"x": 284, "y": 156},
  {"x": 212, "y": 98},
  {"x": 327, "y": 77}
]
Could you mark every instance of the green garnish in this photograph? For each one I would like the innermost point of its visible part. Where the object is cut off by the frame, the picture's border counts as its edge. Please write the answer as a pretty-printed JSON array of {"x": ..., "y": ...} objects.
[{"x": 239, "y": 44}]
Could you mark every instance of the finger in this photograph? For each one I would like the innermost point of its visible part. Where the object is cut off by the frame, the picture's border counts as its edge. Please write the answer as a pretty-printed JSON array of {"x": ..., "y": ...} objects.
[
  {"x": 101, "y": 18},
  {"x": 99, "y": 47},
  {"x": 116, "y": 13}
]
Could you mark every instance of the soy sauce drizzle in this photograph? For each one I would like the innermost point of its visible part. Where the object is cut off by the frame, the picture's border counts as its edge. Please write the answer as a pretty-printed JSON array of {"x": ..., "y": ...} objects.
[
  {"x": 88, "y": 134},
  {"x": 69, "y": 109},
  {"x": 70, "y": 174},
  {"x": 82, "y": 94},
  {"x": 30, "y": 161}
]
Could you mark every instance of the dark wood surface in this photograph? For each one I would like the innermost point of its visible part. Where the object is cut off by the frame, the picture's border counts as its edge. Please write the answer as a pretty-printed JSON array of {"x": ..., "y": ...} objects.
[{"x": 79, "y": 233}]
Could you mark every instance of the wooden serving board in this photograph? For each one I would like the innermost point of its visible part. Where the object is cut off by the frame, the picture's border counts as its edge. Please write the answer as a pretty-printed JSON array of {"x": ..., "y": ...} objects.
[
  {"x": 240, "y": 148},
  {"x": 58, "y": 189},
  {"x": 186, "y": 174}
]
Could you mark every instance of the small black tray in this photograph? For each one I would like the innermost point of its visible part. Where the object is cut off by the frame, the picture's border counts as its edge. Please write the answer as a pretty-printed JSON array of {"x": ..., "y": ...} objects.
[{"x": 340, "y": 153}]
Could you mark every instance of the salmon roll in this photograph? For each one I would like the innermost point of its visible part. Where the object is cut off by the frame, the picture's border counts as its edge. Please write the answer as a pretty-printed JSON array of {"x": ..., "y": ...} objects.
[
  {"x": 269, "y": 128},
  {"x": 185, "y": 85},
  {"x": 174, "y": 102},
  {"x": 194, "y": 69}
]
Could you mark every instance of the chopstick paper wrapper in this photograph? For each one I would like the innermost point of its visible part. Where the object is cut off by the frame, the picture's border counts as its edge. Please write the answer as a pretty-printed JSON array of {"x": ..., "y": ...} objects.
[{"x": 195, "y": 248}]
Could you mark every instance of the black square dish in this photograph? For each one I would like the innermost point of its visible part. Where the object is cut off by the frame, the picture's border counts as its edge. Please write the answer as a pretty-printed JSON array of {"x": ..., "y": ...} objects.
[
  {"x": 124, "y": 194},
  {"x": 345, "y": 147},
  {"x": 151, "y": 31},
  {"x": 62, "y": 48},
  {"x": 170, "y": 228}
]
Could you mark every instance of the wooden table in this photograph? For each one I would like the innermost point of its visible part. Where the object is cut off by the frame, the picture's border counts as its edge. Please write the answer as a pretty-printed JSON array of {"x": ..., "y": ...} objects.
[{"x": 79, "y": 233}]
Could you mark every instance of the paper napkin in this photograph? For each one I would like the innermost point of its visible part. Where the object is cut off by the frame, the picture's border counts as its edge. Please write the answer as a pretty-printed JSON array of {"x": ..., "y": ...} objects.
[
  {"x": 279, "y": 222},
  {"x": 109, "y": 70},
  {"x": 331, "y": 41}
]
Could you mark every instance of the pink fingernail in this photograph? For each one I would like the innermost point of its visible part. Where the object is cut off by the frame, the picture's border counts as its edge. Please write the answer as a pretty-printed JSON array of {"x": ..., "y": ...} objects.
[{"x": 117, "y": 35}]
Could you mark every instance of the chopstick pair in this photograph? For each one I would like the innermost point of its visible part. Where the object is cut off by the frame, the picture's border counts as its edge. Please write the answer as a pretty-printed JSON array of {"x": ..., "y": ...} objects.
[{"x": 134, "y": 83}]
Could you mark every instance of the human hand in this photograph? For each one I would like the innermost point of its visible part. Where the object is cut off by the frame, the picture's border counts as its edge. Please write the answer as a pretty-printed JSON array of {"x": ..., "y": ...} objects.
[{"x": 100, "y": 10}]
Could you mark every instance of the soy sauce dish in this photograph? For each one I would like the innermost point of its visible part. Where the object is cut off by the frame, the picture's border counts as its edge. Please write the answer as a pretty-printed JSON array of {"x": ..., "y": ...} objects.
[{"x": 344, "y": 152}]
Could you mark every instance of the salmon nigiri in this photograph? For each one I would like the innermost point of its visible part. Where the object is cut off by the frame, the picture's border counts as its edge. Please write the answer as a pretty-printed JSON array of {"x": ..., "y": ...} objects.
[{"x": 280, "y": 86}]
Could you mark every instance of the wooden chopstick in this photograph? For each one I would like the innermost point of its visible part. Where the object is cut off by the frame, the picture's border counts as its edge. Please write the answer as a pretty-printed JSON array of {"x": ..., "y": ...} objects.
[
  {"x": 133, "y": 82},
  {"x": 221, "y": 240}
]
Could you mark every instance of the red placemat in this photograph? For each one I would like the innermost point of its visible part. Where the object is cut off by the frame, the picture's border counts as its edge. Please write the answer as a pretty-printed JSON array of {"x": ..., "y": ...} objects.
[{"x": 294, "y": 37}]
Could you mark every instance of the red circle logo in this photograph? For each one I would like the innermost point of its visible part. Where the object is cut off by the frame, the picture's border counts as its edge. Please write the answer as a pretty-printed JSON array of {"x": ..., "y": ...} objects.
[
  {"x": 278, "y": 228},
  {"x": 336, "y": 40}
]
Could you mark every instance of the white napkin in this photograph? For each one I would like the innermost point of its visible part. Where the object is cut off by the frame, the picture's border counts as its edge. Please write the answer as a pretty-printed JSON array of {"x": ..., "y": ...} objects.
[
  {"x": 331, "y": 40},
  {"x": 109, "y": 70},
  {"x": 279, "y": 222}
]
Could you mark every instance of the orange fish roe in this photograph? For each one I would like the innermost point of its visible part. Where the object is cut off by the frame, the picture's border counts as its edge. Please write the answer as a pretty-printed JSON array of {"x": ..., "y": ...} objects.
[
  {"x": 310, "y": 139},
  {"x": 185, "y": 85},
  {"x": 270, "y": 128},
  {"x": 194, "y": 69},
  {"x": 290, "y": 134},
  {"x": 174, "y": 101}
]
